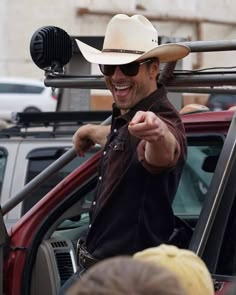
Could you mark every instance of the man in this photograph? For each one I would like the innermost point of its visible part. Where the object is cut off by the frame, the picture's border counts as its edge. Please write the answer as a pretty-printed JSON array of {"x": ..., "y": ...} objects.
[{"x": 144, "y": 148}]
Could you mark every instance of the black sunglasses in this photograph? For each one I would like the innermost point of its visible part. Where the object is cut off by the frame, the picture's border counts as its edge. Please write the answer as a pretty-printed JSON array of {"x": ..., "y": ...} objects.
[{"x": 130, "y": 69}]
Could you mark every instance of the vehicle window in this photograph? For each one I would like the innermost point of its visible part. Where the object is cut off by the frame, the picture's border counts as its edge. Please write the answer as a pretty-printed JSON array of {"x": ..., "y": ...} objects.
[
  {"x": 6, "y": 88},
  {"x": 40, "y": 159},
  {"x": 81, "y": 225},
  {"x": 32, "y": 89},
  {"x": 77, "y": 227},
  {"x": 3, "y": 162},
  {"x": 19, "y": 88},
  {"x": 202, "y": 158}
]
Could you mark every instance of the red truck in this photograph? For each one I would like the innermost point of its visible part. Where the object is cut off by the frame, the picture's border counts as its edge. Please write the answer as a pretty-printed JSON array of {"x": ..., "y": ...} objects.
[{"x": 39, "y": 250}]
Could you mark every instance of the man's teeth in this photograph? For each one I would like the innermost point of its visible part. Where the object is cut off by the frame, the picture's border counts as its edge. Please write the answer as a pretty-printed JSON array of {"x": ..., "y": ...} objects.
[{"x": 121, "y": 87}]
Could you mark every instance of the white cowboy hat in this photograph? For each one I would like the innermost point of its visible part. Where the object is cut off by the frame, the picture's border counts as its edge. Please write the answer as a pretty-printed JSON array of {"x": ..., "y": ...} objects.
[{"x": 131, "y": 38}]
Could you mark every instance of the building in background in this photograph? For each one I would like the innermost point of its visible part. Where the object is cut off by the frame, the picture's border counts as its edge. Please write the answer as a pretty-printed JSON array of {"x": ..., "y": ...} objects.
[{"x": 190, "y": 20}]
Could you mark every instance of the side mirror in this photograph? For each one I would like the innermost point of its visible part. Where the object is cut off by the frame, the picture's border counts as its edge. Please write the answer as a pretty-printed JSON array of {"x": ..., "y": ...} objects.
[{"x": 51, "y": 49}]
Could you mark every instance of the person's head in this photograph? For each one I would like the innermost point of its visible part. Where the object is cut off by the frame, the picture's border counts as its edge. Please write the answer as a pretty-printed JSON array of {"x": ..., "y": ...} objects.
[
  {"x": 193, "y": 108},
  {"x": 130, "y": 58},
  {"x": 233, "y": 109},
  {"x": 125, "y": 275},
  {"x": 189, "y": 268},
  {"x": 3, "y": 124}
]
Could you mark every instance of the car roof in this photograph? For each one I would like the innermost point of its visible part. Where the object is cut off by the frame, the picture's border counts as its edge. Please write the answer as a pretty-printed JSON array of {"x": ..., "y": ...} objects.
[
  {"x": 208, "y": 122},
  {"x": 204, "y": 117}
]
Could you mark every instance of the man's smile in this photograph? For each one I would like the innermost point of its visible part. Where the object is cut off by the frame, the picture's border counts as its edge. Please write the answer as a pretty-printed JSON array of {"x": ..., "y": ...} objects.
[{"x": 122, "y": 90}]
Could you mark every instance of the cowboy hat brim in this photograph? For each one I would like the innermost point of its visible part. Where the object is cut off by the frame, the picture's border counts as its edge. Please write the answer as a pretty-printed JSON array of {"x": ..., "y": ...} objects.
[{"x": 165, "y": 52}]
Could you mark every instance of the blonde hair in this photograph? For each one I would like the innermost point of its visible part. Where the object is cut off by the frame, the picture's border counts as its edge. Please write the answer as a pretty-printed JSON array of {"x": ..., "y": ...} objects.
[
  {"x": 124, "y": 275},
  {"x": 190, "y": 269}
]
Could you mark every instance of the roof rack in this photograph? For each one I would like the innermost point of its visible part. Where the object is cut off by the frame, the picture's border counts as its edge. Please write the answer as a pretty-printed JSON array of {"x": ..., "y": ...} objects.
[
  {"x": 56, "y": 119},
  {"x": 60, "y": 123}
]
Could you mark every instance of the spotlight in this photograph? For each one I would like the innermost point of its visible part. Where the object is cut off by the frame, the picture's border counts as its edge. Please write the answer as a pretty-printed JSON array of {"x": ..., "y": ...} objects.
[{"x": 51, "y": 49}]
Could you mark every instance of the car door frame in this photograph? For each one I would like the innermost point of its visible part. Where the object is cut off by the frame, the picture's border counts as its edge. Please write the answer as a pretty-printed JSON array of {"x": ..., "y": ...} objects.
[{"x": 221, "y": 195}]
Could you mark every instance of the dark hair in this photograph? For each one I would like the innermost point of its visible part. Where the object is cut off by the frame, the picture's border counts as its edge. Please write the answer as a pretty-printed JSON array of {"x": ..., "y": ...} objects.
[
  {"x": 153, "y": 59},
  {"x": 125, "y": 275}
]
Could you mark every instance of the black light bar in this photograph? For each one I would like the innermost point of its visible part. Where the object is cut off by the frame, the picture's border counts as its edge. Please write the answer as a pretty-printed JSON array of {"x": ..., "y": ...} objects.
[{"x": 59, "y": 118}]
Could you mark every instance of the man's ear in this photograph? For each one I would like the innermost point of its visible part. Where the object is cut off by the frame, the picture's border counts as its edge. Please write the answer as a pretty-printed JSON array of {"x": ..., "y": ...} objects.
[{"x": 154, "y": 69}]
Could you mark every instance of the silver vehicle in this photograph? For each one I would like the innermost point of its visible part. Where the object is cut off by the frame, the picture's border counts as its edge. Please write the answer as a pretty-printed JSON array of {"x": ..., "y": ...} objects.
[{"x": 25, "y": 95}]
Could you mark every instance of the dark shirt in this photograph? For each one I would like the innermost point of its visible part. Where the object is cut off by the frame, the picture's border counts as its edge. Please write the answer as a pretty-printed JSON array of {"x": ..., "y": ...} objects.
[{"x": 132, "y": 206}]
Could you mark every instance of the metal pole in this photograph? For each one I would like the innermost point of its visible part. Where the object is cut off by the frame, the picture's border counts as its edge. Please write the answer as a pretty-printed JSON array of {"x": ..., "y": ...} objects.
[
  {"x": 38, "y": 180},
  {"x": 220, "y": 90},
  {"x": 203, "y": 79},
  {"x": 92, "y": 82},
  {"x": 191, "y": 79},
  {"x": 167, "y": 72},
  {"x": 210, "y": 46},
  {"x": 44, "y": 175}
]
